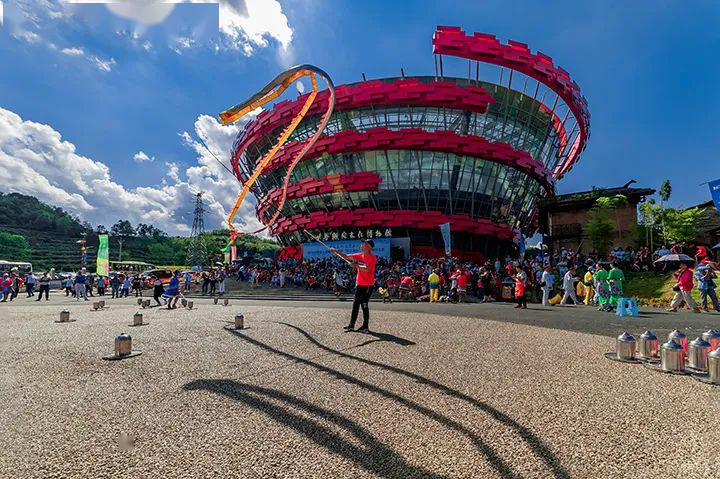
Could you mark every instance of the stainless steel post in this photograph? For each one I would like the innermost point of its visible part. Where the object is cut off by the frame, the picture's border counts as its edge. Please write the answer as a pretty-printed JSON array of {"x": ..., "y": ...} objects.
[
  {"x": 648, "y": 345},
  {"x": 625, "y": 346},
  {"x": 672, "y": 357}
]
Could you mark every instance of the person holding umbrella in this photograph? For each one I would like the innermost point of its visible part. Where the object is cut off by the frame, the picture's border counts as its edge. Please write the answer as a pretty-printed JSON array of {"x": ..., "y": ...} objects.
[
  {"x": 705, "y": 274},
  {"x": 683, "y": 289}
]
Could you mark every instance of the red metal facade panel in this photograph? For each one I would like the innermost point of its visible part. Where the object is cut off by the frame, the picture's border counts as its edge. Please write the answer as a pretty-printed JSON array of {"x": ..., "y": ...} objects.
[
  {"x": 364, "y": 181},
  {"x": 418, "y": 139},
  {"x": 517, "y": 56},
  {"x": 364, "y": 217},
  {"x": 371, "y": 93}
]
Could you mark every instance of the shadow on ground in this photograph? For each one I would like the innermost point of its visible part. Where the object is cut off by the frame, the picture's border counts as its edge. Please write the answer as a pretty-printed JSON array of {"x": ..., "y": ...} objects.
[{"x": 377, "y": 458}]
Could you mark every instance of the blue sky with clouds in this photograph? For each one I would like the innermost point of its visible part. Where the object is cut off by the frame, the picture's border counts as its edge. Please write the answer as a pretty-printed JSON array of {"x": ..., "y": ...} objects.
[{"x": 103, "y": 95}]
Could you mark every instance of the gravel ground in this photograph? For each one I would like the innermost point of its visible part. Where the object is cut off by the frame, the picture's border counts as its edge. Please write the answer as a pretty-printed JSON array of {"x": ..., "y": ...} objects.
[{"x": 294, "y": 397}]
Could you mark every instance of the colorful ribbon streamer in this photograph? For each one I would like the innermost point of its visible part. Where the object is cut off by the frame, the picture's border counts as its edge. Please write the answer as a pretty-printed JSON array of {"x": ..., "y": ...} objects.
[{"x": 270, "y": 92}]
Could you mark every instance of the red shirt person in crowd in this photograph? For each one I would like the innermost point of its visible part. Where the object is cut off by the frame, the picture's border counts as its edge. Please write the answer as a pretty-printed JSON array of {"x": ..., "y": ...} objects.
[{"x": 364, "y": 262}]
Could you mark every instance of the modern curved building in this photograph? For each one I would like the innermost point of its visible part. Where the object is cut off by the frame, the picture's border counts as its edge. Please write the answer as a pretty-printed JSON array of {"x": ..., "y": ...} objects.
[{"x": 401, "y": 156}]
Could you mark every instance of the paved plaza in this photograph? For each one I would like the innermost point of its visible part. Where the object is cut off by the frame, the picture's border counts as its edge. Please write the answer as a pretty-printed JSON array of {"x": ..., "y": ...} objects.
[{"x": 456, "y": 391}]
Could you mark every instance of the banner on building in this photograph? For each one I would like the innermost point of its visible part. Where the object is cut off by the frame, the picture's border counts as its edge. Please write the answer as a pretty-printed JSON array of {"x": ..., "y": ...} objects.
[
  {"x": 445, "y": 231},
  {"x": 233, "y": 253},
  {"x": 715, "y": 193},
  {"x": 318, "y": 251},
  {"x": 103, "y": 256},
  {"x": 519, "y": 240}
]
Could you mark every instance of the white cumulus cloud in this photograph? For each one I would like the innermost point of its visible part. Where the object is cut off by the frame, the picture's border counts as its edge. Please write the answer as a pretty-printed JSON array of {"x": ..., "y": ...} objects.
[
  {"x": 73, "y": 52},
  {"x": 245, "y": 24},
  {"x": 142, "y": 157},
  {"x": 35, "y": 160}
]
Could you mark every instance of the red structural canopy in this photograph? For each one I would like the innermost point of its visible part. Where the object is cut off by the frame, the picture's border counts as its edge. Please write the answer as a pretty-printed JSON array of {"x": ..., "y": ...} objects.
[{"x": 517, "y": 56}]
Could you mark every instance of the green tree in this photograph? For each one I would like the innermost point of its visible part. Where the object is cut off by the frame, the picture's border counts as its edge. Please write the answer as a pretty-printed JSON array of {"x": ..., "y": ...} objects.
[
  {"x": 14, "y": 247},
  {"x": 681, "y": 225},
  {"x": 600, "y": 226},
  {"x": 665, "y": 191},
  {"x": 122, "y": 228}
]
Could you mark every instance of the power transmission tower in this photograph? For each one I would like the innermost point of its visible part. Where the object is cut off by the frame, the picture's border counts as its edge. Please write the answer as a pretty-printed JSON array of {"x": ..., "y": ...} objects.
[{"x": 197, "y": 250}]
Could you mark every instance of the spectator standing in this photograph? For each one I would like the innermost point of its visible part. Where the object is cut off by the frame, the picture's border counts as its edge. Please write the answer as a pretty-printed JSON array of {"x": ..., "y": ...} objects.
[
  {"x": 125, "y": 290},
  {"x": 187, "y": 280},
  {"x": 221, "y": 282},
  {"x": 115, "y": 287},
  {"x": 30, "y": 284},
  {"x": 44, "y": 285},
  {"x": 706, "y": 286},
  {"x": 101, "y": 286},
  {"x": 547, "y": 283},
  {"x": 80, "y": 290},
  {"x": 520, "y": 283}
]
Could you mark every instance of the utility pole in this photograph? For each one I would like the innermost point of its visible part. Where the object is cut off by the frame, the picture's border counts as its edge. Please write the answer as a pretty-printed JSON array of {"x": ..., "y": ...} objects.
[{"x": 120, "y": 250}]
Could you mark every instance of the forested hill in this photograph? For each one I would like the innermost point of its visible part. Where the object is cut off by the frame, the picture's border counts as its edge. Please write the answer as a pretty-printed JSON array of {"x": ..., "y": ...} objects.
[{"x": 47, "y": 236}]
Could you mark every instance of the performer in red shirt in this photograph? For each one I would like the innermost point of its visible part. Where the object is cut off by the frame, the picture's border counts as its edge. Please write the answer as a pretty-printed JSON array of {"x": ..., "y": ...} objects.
[{"x": 364, "y": 263}]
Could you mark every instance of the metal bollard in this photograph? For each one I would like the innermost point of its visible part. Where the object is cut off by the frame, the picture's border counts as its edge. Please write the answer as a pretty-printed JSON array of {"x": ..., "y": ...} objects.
[
  {"x": 190, "y": 305},
  {"x": 138, "y": 319},
  {"x": 123, "y": 345},
  {"x": 146, "y": 303},
  {"x": 96, "y": 306},
  {"x": 139, "y": 301},
  {"x": 64, "y": 316},
  {"x": 712, "y": 336},
  {"x": 672, "y": 357},
  {"x": 625, "y": 346},
  {"x": 183, "y": 301},
  {"x": 714, "y": 366},
  {"x": 101, "y": 303},
  {"x": 679, "y": 337},
  {"x": 226, "y": 302},
  {"x": 698, "y": 354},
  {"x": 648, "y": 346},
  {"x": 239, "y": 321},
  {"x": 215, "y": 300}
]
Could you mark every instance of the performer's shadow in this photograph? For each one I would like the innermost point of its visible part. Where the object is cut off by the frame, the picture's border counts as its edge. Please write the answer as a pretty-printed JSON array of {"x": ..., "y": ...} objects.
[{"x": 384, "y": 337}]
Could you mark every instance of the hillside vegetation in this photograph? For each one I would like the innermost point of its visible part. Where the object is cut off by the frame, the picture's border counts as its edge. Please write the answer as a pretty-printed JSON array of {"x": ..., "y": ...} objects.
[{"x": 31, "y": 230}]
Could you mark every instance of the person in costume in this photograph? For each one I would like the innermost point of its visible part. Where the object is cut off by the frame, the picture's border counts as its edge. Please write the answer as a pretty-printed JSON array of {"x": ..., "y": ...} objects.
[
  {"x": 603, "y": 288},
  {"x": 172, "y": 293},
  {"x": 364, "y": 262},
  {"x": 434, "y": 286},
  {"x": 588, "y": 282},
  {"x": 615, "y": 278}
]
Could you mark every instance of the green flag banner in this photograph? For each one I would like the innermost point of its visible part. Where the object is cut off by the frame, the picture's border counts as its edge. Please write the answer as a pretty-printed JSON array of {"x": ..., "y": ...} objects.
[{"x": 103, "y": 257}]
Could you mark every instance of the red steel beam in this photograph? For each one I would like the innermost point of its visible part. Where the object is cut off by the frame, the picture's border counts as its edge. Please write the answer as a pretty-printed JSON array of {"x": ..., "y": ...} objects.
[
  {"x": 372, "y": 93},
  {"x": 418, "y": 139},
  {"x": 364, "y": 181},
  {"x": 369, "y": 217}
]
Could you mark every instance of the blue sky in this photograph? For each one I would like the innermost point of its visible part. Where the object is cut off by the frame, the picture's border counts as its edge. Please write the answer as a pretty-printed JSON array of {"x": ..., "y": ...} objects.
[{"x": 114, "y": 87}]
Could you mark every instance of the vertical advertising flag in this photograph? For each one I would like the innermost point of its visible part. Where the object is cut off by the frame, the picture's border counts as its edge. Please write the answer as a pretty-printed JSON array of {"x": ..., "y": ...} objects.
[
  {"x": 715, "y": 192},
  {"x": 103, "y": 256},
  {"x": 233, "y": 253},
  {"x": 445, "y": 231}
]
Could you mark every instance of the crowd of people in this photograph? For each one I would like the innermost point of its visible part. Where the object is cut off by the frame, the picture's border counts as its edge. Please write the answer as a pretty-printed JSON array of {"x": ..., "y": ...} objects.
[
  {"x": 81, "y": 285},
  {"x": 565, "y": 278}
]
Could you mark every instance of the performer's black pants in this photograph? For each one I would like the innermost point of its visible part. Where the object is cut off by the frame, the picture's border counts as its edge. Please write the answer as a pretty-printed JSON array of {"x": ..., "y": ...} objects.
[
  {"x": 44, "y": 288},
  {"x": 362, "y": 297}
]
